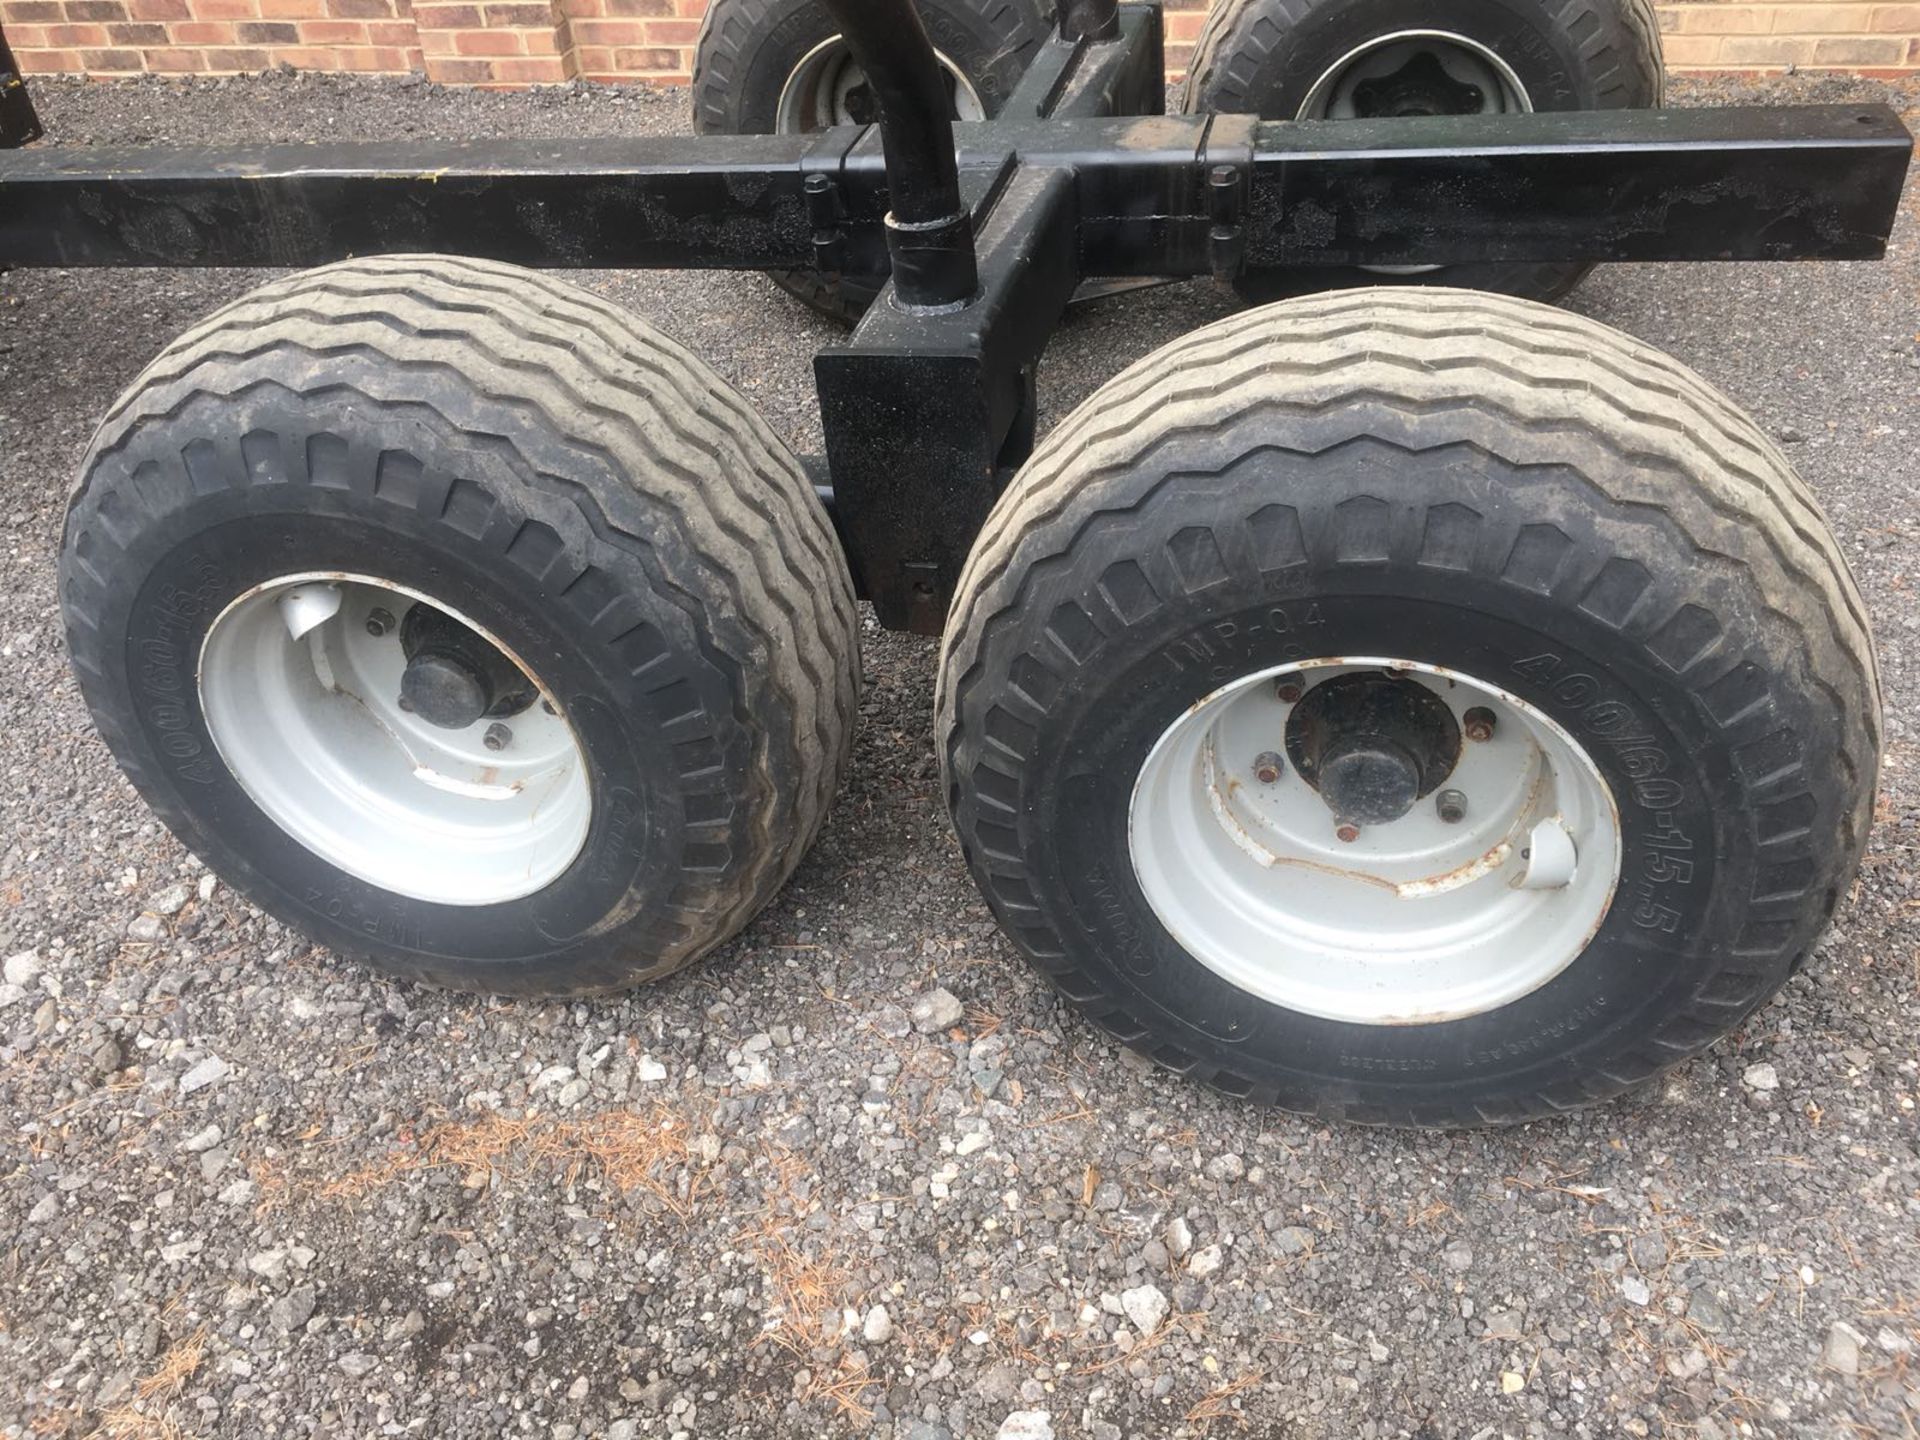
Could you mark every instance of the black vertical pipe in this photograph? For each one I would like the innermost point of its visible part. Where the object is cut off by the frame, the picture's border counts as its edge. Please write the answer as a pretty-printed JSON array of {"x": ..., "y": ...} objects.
[{"x": 929, "y": 232}]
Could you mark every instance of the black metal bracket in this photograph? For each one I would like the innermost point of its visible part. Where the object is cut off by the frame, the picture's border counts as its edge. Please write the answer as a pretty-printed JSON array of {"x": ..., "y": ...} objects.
[
  {"x": 1226, "y": 167},
  {"x": 825, "y": 213},
  {"x": 927, "y": 413},
  {"x": 19, "y": 125}
]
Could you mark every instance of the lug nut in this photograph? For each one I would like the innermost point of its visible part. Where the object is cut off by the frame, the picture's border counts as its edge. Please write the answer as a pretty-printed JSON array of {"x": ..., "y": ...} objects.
[
  {"x": 498, "y": 737},
  {"x": 1268, "y": 767},
  {"x": 1288, "y": 689},
  {"x": 1347, "y": 834},
  {"x": 1478, "y": 723},
  {"x": 379, "y": 622},
  {"x": 1452, "y": 806}
]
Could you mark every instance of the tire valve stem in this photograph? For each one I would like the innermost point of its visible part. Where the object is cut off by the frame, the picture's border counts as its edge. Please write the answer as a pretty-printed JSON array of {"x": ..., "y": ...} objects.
[
  {"x": 379, "y": 622},
  {"x": 1268, "y": 767},
  {"x": 498, "y": 737},
  {"x": 1287, "y": 689},
  {"x": 1478, "y": 723},
  {"x": 1347, "y": 833},
  {"x": 1451, "y": 805}
]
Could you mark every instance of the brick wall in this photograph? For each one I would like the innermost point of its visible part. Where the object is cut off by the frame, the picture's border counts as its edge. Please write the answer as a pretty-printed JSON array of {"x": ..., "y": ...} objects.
[
  {"x": 537, "y": 42},
  {"x": 1828, "y": 35},
  {"x": 1722, "y": 35}
]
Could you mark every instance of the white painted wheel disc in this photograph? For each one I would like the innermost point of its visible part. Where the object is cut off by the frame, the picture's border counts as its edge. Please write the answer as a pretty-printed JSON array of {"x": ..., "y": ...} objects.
[
  {"x": 1415, "y": 920},
  {"x": 302, "y": 698}
]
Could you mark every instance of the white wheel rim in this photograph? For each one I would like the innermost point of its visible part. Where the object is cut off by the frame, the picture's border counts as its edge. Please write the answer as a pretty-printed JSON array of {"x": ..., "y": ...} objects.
[
  {"x": 1416, "y": 920},
  {"x": 1465, "y": 61},
  {"x": 303, "y": 702},
  {"x": 817, "y": 93}
]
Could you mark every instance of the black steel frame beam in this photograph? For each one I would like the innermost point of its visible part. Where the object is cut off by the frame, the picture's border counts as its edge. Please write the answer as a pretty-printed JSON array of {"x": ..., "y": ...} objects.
[
  {"x": 1749, "y": 184},
  {"x": 1073, "y": 76},
  {"x": 1811, "y": 182},
  {"x": 735, "y": 201}
]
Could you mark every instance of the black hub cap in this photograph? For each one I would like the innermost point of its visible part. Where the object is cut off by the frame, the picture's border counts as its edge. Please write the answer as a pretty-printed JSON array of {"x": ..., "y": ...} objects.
[
  {"x": 863, "y": 109},
  {"x": 453, "y": 677},
  {"x": 1422, "y": 86},
  {"x": 1372, "y": 745}
]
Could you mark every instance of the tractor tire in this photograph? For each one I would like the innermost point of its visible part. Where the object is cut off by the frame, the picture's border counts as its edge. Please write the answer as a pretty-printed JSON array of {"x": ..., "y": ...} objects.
[
  {"x": 1316, "y": 59},
  {"x": 1414, "y": 708},
  {"x": 465, "y": 623},
  {"x": 752, "y": 54}
]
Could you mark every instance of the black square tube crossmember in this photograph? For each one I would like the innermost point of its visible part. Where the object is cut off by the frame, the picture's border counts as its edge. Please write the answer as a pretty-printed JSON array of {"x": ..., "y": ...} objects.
[{"x": 1079, "y": 178}]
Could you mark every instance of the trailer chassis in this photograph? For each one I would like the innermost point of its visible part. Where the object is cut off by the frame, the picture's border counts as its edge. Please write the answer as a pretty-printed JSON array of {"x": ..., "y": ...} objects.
[{"x": 987, "y": 229}]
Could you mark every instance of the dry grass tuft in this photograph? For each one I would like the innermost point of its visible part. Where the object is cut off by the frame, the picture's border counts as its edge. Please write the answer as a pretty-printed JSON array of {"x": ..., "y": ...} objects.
[
  {"x": 808, "y": 1291},
  {"x": 123, "y": 1422},
  {"x": 176, "y": 1367},
  {"x": 1218, "y": 1404},
  {"x": 845, "y": 1389},
  {"x": 271, "y": 1187},
  {"x": 635, "y": 1151},
  {"x": 648, "y": 1150}
]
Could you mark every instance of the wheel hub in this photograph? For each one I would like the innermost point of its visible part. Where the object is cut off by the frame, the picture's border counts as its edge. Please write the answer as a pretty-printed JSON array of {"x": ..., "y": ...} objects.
[
  {"x": 1371, "y": 745},
  {"x": 1420, "y": 87},
  {"x": 442, "y": 691},
  {"x": 453, "y": 676}
]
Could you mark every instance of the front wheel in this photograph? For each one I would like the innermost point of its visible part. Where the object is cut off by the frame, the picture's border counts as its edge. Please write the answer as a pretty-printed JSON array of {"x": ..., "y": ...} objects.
[{"x": 1417, "y": 709}]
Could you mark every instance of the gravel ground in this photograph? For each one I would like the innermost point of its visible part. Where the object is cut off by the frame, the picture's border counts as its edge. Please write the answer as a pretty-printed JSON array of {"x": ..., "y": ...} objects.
[{"x": 252, "y": 1191}]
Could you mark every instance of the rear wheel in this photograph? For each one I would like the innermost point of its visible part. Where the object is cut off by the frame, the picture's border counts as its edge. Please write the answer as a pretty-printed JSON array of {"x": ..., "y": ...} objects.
[
  {"x": 465, "y": 623},
  {"x": 1357, "y": 59},
  {"x": 780, "y": 67},
  {"x": 1418, "y": 709}
]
